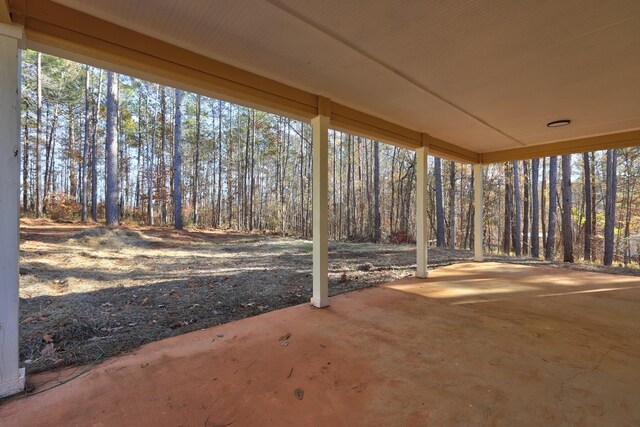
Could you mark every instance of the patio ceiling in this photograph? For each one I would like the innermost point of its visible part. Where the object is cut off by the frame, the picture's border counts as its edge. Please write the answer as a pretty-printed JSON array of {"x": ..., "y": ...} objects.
[{"x": 466, "y": 77}]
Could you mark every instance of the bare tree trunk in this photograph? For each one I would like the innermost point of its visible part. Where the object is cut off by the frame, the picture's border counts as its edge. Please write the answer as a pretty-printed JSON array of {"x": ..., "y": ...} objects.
[
  {"x": 525, "y": 217},
  {"x": 629, "y": 190},
  {"x": 440, "y": 228},
  {"x": 49, "y": 184},
  {"x": 151, "y": 148},
  {"x": 468, "y": 237},
  {"x": 70, "y": 153},
  {"x": 162, "y": 179},
  {"x": 348, "y": 213},
  {"x": 517, "y": 242},
  {"x": 196, "y": 163},
  {"x": 567, "y": 205},
  {"x": 85, "y": 146},
  {"x": 111, "y": 152},
  {"x": 508, "y": 209},
  {"x": 38, "y": 172},
  {"x": 245, "y": 175},
  {"x": 392, "y": 206},
  {"x": 219, "y": 200},
  {"x": 535, "y": 230},
  {"x": 25, "y": 165},
  {"x": 336, "y": 232},
  {"x": 553, "y": 207},
  {"x": 543, "y": 202},
  {"x": 94, "y": 154},
  {"x": 177, "y": 163},
  {"x": 593, "y": 204},
  {"x": 452, "y": 205},
  {"x": 610, "y": 205},
  {"x": 587, "y": 199},
  {"x": 377, "y": 223},
  {"x": 252, "y": 178}
]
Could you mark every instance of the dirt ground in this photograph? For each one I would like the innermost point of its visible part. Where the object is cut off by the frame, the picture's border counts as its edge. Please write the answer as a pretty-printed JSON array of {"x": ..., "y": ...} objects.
[{"x": 87, "y": 292}]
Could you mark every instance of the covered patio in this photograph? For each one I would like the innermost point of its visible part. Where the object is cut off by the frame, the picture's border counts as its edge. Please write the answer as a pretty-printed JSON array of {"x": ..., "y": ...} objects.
[
  {"x": 481, "y": 343},
  {"x": 469, "y": 81}
]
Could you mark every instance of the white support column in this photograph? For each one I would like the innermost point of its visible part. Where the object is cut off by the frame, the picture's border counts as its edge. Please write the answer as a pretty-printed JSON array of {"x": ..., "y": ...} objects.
[
  {"x": 478, "y": 217},
  {"x": 422, "y": 241},
  {"x": 11, "y": 375},
  {"x": 320, "y": 211}
]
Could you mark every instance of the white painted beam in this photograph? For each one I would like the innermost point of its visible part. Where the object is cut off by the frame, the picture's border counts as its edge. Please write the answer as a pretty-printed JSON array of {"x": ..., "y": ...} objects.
[
  {"x": 11, "y": 376},
  {"x": 478, "y": 217},
  {"x": 320, "y": 211},
  {"x": 422, "y": 241}
]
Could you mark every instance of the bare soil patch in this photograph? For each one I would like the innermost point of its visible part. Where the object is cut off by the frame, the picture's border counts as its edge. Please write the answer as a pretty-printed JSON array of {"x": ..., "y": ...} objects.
[{"x": 88, "y": 292}]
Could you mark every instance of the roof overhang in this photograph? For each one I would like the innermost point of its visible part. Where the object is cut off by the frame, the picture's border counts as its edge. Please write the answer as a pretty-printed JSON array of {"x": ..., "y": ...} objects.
[{"x": 70, "y": 32}]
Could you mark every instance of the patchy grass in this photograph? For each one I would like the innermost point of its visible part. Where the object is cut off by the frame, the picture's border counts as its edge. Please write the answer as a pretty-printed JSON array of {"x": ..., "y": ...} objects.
[
  {"x": 94, "y": 292},
  {"x": 89, "y": 292}
]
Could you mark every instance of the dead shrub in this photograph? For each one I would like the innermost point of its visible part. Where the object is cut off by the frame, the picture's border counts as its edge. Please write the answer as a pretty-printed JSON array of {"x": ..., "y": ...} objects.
[
  {"x": 401, "y": 238},
  {"x": 62, "y": 207}
]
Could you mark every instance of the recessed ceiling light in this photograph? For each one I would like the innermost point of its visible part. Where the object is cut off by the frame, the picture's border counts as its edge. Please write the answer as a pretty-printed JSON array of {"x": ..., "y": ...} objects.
[{"x": 559, "y": 123}]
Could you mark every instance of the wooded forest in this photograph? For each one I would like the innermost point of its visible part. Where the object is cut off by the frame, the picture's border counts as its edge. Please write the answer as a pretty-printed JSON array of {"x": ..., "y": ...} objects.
[{"x": 102, "y": 147}]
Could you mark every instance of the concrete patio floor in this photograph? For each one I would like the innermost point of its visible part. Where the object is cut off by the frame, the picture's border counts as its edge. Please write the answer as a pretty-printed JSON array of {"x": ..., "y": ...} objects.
[{"x": 486, "y": 343}]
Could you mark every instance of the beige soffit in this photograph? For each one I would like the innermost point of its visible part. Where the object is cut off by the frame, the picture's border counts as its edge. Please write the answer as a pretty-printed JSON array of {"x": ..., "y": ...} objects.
[{"x": 482, "y": 76}]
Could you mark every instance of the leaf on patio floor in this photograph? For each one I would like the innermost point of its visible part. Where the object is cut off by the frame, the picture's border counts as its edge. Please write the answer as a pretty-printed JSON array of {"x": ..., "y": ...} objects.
[{"x": 285, "y": 337}]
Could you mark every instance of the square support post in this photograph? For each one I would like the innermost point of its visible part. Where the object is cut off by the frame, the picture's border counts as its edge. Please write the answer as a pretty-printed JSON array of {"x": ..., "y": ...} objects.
[
  {"x": 422, "y": 241},
  {"x": 320, "y": 211},
  {"x": 478, "y": 215},
  {"x": 11, "y": 375}
]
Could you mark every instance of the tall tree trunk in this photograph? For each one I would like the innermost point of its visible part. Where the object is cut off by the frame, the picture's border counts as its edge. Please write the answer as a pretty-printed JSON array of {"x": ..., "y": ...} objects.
[
  {"x": 440, "y": 228},
  {"x": 94, "y": 153},
  {"x": 49, "y": 183},
  {"x": 610, "y": 205},
  {"x": 85, "y": 146},
  {"x": 535, "y": 229},
  {"x": 245, "y": 175},
  {"x": 177, "y": 163},
  {"x": 111, "y": 152},
  {"x": 587, "y": 199},
  {"x": 508, "y": 210},
  {"x": 70, "y": 150},
  {"x": 38, "y": 172},
  {"x": 452, "y": 205},
  {"x": 139, "y": 162},
  {"x": 549, "y": 249},
  {"x": 162, "y": 178},
  {"x": 336, "y": 232},
  {"x": 252, "y": 177},
  {"x": 567, "y": 205},
  {"x": 517, "y": 242},
  {"x": 25, "y": 165},
  {"x": 543, "y": 199},
  {"x": 392, "y": 206},
  {"x": 629, "y": 190},
  {"x": 376, "y": 193},
  {"x": 196, "y": 163},
  {"x": 468, "y": 238},
  {"x": 151, "y": 149},
  {"x": 594, "y": 221},
  {"x": 526, "y": 211},
  {"x": 348, "y": 213},
  {"x": 219, "y": 200}
]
